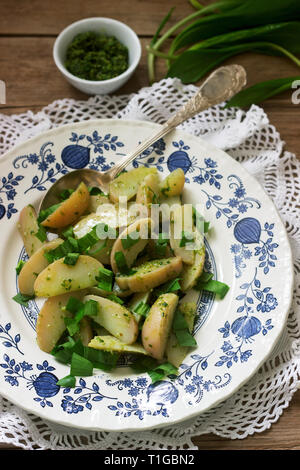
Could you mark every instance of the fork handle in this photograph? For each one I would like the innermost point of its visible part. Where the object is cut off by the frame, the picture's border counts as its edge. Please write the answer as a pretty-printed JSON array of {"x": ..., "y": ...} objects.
[{"x": 220, "y": 86}]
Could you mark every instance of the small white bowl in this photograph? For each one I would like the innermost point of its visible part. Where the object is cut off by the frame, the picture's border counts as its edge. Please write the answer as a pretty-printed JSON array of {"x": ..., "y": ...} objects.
[{"x": 105, "y": 26}]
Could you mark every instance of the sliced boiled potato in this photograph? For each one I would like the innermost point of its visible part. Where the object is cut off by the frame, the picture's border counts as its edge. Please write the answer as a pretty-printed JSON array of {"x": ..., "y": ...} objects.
[
  {"x": 50, "y": 323},
  {"x": 137, "y": 232},
  {"x": 34, "y": 266},
  {"x": 110, "y": 343},
  {"x": 148, "y": 191},
  {"x": 102, "y": 250},
  {"x": 112, "y": 215},
  {"x": 28, "y": 226},
  {"x": 174, "y": 352},
  {"x": 127, "y": 184},
  {"x": 151, "y": 274},
  {"x": 173, "y": 184},
  {"x": 182, "y": 224},
  {"x": 171, "y": 201},
  {"x": 157, "y": 325},
  {"x": 115, "y": 318},
  {"x": 96, "y": 201},
  {"x": 191, "y": 273},
  {"x": 70, "y": 210},
  {"x": 59, "y": 278},
  {"x": 156, "y": 251}
]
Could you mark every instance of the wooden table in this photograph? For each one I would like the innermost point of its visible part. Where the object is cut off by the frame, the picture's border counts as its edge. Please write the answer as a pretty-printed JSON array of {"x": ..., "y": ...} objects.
[{"x": 28, "y": 29}]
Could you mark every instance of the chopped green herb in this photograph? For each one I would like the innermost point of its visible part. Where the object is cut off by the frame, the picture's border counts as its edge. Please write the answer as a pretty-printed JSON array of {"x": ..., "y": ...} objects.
[
  {"x": 80, "y": 366},
  {"x": 100, "y": 248},
  {"x": 65, "y": 194},
  {"x": 105, "y": 279},
  {"x": 91, "y": 308},
  {"x": 94, "y": 191},
  {"x": 142, "y": 309},
  {"x": 68, "y": 246},
  {"x": 170, "y": 286},
  {"x": 71, "y": 259},
  {"x": 20, "y": 266},
  {"x": 116, "y": 299},
  {"x": 103, "y": 360},
  {"x": 161, "y": 244},
  {"x": 121, "y": 262},
  {"x": 186, "y": 238},
  {"x": 94, "y": 56},
  {"x": 181, "y": 330},
  {"x": 161, "y": 371},
  {"x": 63, "y": 352},
  {"x": 155, "y": 370},
  {"x": 205, "y": 277},
  {"x": 44, "y": 214},
  {"x": 72, "y": 324},
  {"x": 41, "y": 234},
  {"x": 217, "y": 287},
  {"x": 128, "y": 242},
  {"x": 69, "y": 232},
  {"x": 205, "y": 282},
  {"x": 73, "y": 305},
  {"x": 69, "y": 381},
  {"x": 23, "y": 299}
]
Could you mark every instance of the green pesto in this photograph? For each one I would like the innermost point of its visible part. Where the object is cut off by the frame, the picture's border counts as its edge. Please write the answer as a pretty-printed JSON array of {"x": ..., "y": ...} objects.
[
  {"x": 150, "y": 266},
  {"x": 94, "y": 56}
]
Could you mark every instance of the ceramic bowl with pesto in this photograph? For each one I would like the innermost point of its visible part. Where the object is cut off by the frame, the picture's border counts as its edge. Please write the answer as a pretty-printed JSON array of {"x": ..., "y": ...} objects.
[{"x": 102, "y": 70}]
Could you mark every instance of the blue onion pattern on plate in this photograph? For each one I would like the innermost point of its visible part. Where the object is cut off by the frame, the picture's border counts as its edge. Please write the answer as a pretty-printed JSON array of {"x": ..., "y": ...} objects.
[{"x": 247, "y": 248}]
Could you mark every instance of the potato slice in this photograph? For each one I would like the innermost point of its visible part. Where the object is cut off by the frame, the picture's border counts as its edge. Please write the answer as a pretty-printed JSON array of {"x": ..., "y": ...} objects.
[
  {"x": 50, "y": 323},
  {"x": 171, "y": 201},
  {"x": 173, "y": 184},
  {"x": 70, "y": 210},
  {"x": 110, "y": 343},
  {"x": 59, "y": 278},
  {"x": 190, "y": 273},
  {"x": 174, "y": 352},
  {"x": 158, "y": 324},
  {"x": 34, "y": 266},
  {"x": 127, "y": 184},
  {"x": 182, "y": 223},
  {"x": 139, "y": 229},
  {"x": 102, "y": 254},
  {"x": 151, "y": 274},
  {"x": 148, "y": 192},
  {"x": 116, "y": 319},
  {"x": 28, "y": 226},
  {"x": 113, "y": 215},
  {"x": 96, "y": 201}
]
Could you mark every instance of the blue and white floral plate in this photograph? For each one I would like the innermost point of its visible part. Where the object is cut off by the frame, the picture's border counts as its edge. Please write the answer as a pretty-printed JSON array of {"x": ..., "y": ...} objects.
[{"x": 247, "y": 248}]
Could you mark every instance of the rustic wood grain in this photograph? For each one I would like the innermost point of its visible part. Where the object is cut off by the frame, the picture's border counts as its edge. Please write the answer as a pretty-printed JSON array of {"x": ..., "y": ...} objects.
[{"x": 27, "y": 32}]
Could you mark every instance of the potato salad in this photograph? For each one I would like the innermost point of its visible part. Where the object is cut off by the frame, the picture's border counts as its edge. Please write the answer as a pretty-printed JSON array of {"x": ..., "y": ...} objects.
[{"x": 114, "y": 272}]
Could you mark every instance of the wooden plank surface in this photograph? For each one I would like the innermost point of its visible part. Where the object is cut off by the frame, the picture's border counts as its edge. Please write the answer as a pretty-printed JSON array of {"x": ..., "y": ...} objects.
[{"x": 27, "y": 33}]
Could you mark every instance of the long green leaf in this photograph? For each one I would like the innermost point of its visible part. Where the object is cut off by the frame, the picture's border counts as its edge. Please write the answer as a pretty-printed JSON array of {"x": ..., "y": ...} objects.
[
  {"x": 191, "y": 66},
  {"x": 261, "y": 91},
  {"x": 285, "y": 34},
  {"x": 243, "y": 14},
  {"x": 161, "y": 26}
]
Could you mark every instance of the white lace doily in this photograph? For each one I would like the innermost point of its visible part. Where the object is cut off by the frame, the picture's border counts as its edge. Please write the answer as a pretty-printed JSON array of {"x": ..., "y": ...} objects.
[{"x": 249, "y": 138}]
